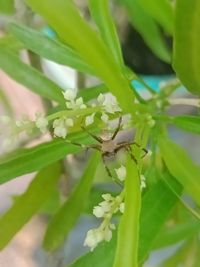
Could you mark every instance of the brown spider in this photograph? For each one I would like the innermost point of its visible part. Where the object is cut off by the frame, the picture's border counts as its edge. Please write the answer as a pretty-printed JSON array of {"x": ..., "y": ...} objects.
[{"x": 109, "y": 148}]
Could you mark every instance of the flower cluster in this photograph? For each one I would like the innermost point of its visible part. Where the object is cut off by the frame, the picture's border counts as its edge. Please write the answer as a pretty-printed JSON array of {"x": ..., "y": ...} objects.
[
  {"x": 105, "y": 210},
  {"x": 73, "y": 102},
  {"x": 41, "y": 122},
  {"x": 106, "y": 105},
  {"x": 61, "y": 126},
  {"x": 13, "y": 130}
]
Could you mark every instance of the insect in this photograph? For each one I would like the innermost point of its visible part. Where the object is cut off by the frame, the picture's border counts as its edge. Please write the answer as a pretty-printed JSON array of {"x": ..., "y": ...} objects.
[{"x": 110, "y": 147}]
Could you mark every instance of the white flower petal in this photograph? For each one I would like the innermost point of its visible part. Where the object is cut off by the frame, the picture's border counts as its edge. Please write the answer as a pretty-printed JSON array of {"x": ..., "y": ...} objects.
[
  {"x": 107, "y": 234},
  {"x": 142, "y": 182},
  {"x": 93, "y": 237},
  {"x": 41, "y": 123},
  {"x": 101, "y": 99},
  {"x": 69, "y": 122},
  {"x": 89, "y": 119},
  {"x": 121, "y": 173},
  {"x": 98, "y": 212},
  {"x": 70, "y": 94},
  {"x": 104, "y": 117},
  {"x": 121, "y": 207},
  {"x": 107, "y": 197}
]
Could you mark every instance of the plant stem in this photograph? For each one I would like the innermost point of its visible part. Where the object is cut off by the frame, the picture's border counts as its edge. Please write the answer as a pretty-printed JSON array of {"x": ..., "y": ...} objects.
[{"x": 185, "y": 101}]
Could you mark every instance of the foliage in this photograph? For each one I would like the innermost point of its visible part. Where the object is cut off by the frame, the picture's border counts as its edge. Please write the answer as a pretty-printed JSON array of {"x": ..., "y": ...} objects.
[{"x": 150, "y": 209}]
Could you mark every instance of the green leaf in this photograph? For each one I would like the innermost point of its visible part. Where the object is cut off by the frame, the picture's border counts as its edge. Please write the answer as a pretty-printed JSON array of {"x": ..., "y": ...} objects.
[
  {"x": 33, "y": 159},
  {"x": 162, "y": 11},
  {"x": 64, "y": 17},
  {"x": 157, "y": 204},
  {"x": 128, "y": 231},
  {"x": 48, "y": 48},
  {"x": 100, "y": 12},
  {"x": 28, "y": 76},
  {"x": 103, "y": 255},
  {"x": 156, "y": 207},
  {"x": 181, "y": 166},
  {"x": 172, "y": 235},
  {"x": 7, "y": 6},
  {"x": 25, "y": 206},
  {"x": 186, "y": 58},
  {"x": 148, "y": 29},
  {"x": 11, "y": 42},
  {"x": 188, "y": 123},
  {"x": 67, "y": 216}
]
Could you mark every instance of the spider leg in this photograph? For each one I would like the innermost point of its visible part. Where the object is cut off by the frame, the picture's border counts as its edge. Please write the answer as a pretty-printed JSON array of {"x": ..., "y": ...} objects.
[
  {"x": 117, "y": 129},
  {"x": 143, "y": 149},
  {"x": 97, "y": 138},
  {"x": 77, "y": 144},
  {"x": 129, "y": 150},
  {"x": 109, "y": 172},
  {"x": 95, "y": 146}
]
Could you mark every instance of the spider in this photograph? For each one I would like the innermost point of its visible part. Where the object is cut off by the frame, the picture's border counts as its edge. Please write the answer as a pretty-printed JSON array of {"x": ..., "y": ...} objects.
[{"x": 110, "y": 147}]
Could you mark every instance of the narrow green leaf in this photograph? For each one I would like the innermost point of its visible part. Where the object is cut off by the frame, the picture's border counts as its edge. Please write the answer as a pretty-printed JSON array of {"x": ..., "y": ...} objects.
[
  {"x": 181, "y": 167},
  {"x": 33, "y": 159},
  {"x": 128, "y": 232},
  {"x": 156, "y": 207},
  {"x": 11, "y": 42},
  {"x": 100, "y": 12},
  {"x": 157, "y": 204},
  {"x": 48, "y": 48},
  {"x": 64, "y": 17},
  {"x": 162, "y": 11},
  {"x": 103, "y": 255},
  {"x": 188, "y": 123},
  {"x": 186, "y": 59},
  {"x": 175, "y": 234},
  {"x": 28, "y": 76},
  {"x": 25, "y": 206},
  {"x": 148, "y": 29},
  {"x": 67, "y": 216}
]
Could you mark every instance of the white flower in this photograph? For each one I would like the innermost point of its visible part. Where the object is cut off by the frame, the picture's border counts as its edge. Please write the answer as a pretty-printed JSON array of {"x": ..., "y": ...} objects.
[
  {"x": 101, "y": 99},
  {"x": 61, "y": 126},
  {"x": 105, "y": 205},
  {"x": 76, "y": 104},
  {"x": 60, "y": 129},
  {"x": 69, "y": 94},
  {"x": 41, "y": 123},
  {"x": 69, "y": 122},
  {"x": 104, "y": 117},
  {"x": 142, "y": 182},
  {"x": 109, "y": 102},
  {"x": 121, "y": 173},
  {"x": 93, "y": 237},
  {"x": 107, "y": 197},
  {"x": 89, "y": 119},
  {"x": 107, "y": 234},
  {"x": 98, "y": 211},
  {"x": 121, "y": 207}
]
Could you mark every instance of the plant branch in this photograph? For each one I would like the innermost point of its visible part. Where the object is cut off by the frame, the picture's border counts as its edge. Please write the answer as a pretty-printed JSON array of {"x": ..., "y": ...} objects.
[{"x": 185, "y": 101}]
